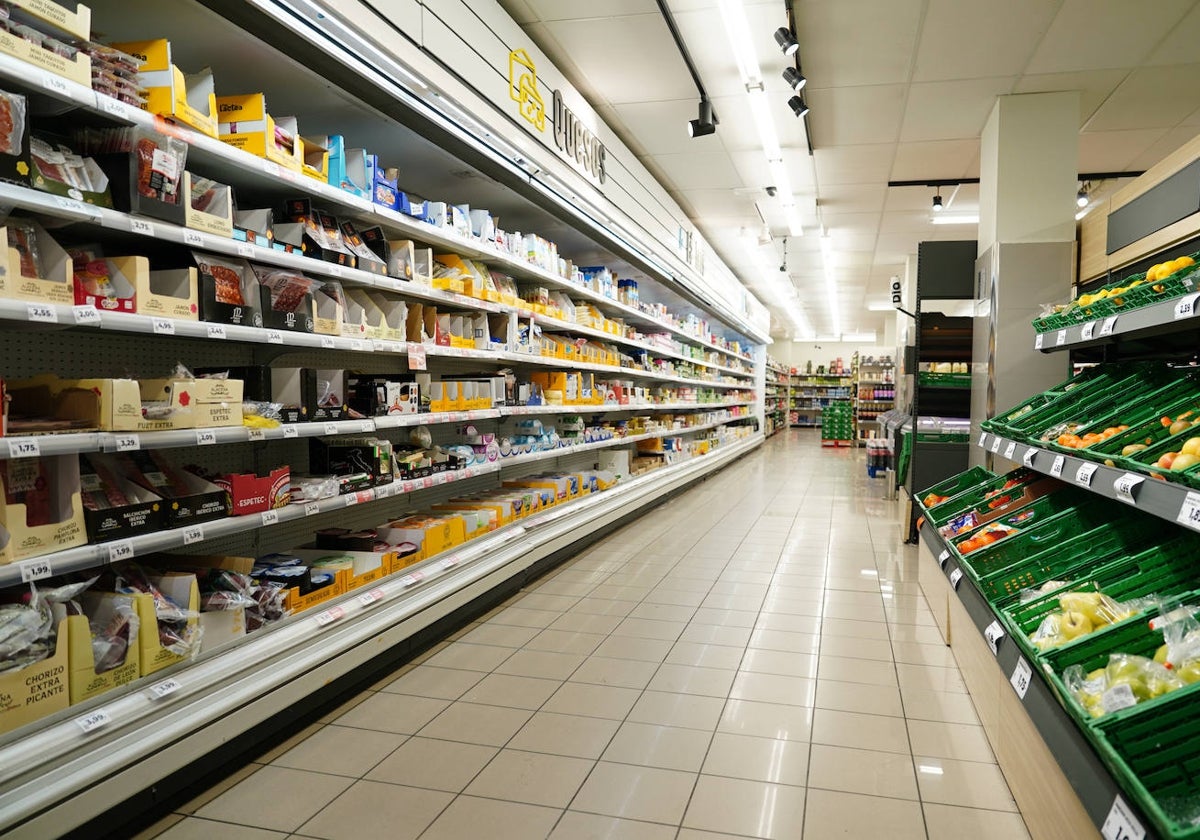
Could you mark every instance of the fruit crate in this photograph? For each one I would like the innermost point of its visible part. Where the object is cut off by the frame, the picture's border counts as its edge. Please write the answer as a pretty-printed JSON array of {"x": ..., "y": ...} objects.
[
  {"x": 1168, "y": 569},
  {"x": 1075, "y": 388},
  {"x": 944, "y": 380},
  {"x": 1129, "y": 383},
  {"x": 1144, "y": 461},
  {"x": 1131, "y": 407},
  {"x": 1148, "y": 426},
  {"x": 1069, "y": 560},
  {"x": 952, "y": 487},
  {"x": 1056, "y": 518},
  {"x": 976, "y": 498}
]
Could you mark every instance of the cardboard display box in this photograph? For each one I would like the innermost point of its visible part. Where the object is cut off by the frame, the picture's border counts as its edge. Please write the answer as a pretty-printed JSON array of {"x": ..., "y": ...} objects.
[
  {"x": 109, "y": 284},
  {"x": 228, "y": 291},
  {"x": 36, "y": 690},
  {"x": 434, "y": 534},
  {"x": 17, "y": 275},
  {"x": 84, "y": 682},
  {"x": 187, "y": 498},
  {"x": 181, "y": 588},
  {"x": 250, "y": 493},
  {"x": 209, "y": 205},
  {"x": 188, "y": 99},
  {"x": 246, "y": 125},
  {"x": 41, "y": 510},
  {"x": 102, "y": 478}
]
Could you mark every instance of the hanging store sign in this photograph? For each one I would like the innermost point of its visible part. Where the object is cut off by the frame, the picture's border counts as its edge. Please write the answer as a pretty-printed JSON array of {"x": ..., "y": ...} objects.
[{"x": 572, "y": 137}]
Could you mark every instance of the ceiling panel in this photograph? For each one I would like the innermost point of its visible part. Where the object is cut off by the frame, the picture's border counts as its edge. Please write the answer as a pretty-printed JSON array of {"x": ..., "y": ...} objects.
[
  {"x": 1179, "y": 45},
  {"x": 699, "y": 170},
  {"x": 1151, "y": 97},
  {"x": 853, "y": 164},
  {"x": 1013, "y": 29},
  {"x": 1113, "y": 151},
  {"x": 1094, "y": 86},
  {"x": 951, "y": 110},
  {"x": 587, "y": 9},
  {"x": 853, "y": 198},
  {"x": 1162, "y": 147},
  {"x": 879, "y": 35},
  {"x": 1096, "y": 34},
  {"x": 855, "y": 115},
  {"x": 934, "y": 159}
]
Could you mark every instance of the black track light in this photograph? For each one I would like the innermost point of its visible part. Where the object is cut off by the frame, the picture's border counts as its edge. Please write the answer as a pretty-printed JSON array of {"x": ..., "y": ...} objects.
[
  {"x": 937, "y": 202},
  {"x": 703, "y": 125},
  {"x": 795, "y": 81},
  {"x": 786, "y": 40},
  {"x": 798, "y": 107}
]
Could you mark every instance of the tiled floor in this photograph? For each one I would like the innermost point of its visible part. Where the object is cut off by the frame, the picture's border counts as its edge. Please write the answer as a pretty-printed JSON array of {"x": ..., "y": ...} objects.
[{"x": 753, "y": 659}]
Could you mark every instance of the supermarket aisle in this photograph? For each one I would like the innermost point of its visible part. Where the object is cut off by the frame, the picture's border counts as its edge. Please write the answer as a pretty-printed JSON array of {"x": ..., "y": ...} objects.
[{"x": 753, "y": 659}]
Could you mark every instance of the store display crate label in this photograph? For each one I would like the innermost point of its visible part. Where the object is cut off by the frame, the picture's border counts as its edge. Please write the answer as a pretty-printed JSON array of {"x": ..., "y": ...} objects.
[
  {"x": 993, "y": 633},
  {"x": 1124, "y": 487},
  {"x": 24, "y": 448},
  {"x": 42, "y": 312},
  {"x": 120, "y": 550},
  {"x": 329, "y": 616},
  {"x": 996, "y": 441},
  {"x": 86, "y": 316},
  {"x": 1185, "y": 307},
  {"x": 1061, "y": 338},
  {"x": 955, "y": 578},
  {"x": 943, "y": 557},
  {"x": 1110, "y": 324},
  {"x": 127, "y": 443},
  {"x": 165, "y": 688},
  {"x": 193, "y": 534},
  {"x": 1030, "y": 454},
  {"x": 1189, "y": 511},
  {"x": 270, "y": 517},
  {"x": 1083, "y": 475},
  {"x": 1088, "y": 331},
  {"x": 32, "y": 570},
  {"x": 1038, "y": 340},
  {"x": 1021, "y": 676},
  {"x": 92, "y": 722},
  {"x": 1056, "y": 469},
  {"x": 1010, "y": 450},
  {"x": 1121, "y": 824}
]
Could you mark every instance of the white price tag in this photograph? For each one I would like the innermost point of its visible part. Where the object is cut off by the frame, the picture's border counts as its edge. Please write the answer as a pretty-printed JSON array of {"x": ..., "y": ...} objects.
[
  {"x": 368, "y": 599},
  {"x": 205, "y": 437},
  {"x": 274, "y": 337},
  {"x": 427, "y": 482},
  {"x": 351, "y": 499},
  {"x": 24, "y": 448},
  {"x": 943, "y": 557},
  {"x": 1109, "y": 325},
  {"x": 327, "y": 342},
  {"x": 141, "y": 226},
  {"x": 120, "y": 550},
  {"x": 1038, "y": 341},
  {"x": 290, "y": 430},
  {"x": 127, "y": 443},
  {"x": 356, "y": 345},
  {"x": 1185, "y": 307},
  {"x": 1088, "y": 331},
  {"x": 114, "y": 107},
  {"x": 1121, "y": 824},
  {"x": 1189, "y": 511},
  {"x": 245, "y": 250},
  {"x": 996, "y": 439},
  {"x": 55, "y": 83},
  {"x": 311, "y": 508},
  {"x": 335, "y": 270},
  {"x": 993, "y": 633},
  {"x": 163, "y": 326},
  {"x": 32, "y": 570},
  {"x": 94, "y": 721},
  {"x": 256, "y": 434},
  {"x": 1056, "y": 468},
  {"x": 416, "y": 357},
  {"x": 270, "y": 517},
  {"x": 165, "y": 688},
  {"x": 329, "y": 616},
  {"x": 86, "y": 316},
  {"x": 366, "y": 425},
  {"x": 1030, "y": 454},
  {"x": 193, "y": 534},
  {"x": 450, "y": 562},
  {"x": 331, "y": 428},
  {"x": 1021, "y": 676},
  {"x": 1084, "y": 476},
  {"x": 42, "y": 312},
  {"x": 1010, "y": 450},
  {"x": 70, "y": 204},
  {"x": 216, "y": 331},
  {"x": 1061, "y": 338},
  {"x": 955, "y": 577},
  {"x": 190, "y": 237},
  {"x": 1124, "y": 487},
  {"x": 982, "y": 440},
  {"x": 409, "y": 580}
]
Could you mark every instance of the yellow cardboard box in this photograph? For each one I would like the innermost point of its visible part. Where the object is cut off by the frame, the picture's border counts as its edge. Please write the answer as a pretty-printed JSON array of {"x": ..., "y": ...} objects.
[
  {"x": 181, "y": 588},
  {"x": 36, "y": 690},
  {"x": 18, "y": 539},
  {"x": 246, "y": 125},
  {"x": 84, "y": 681},
  {"x": 188, "y": 99}
]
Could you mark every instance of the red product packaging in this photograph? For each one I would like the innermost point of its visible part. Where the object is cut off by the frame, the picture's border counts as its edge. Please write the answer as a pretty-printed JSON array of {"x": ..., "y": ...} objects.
[{"x": 250, "y": 493}]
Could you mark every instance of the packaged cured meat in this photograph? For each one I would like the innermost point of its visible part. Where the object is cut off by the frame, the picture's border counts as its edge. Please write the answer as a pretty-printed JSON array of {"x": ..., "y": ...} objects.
[
  {"x": 23, "y": 238},
  {"x": 228, "y": 277},
  {"x": 12, "y": 122},
  {"x": 288, "y": 288}
]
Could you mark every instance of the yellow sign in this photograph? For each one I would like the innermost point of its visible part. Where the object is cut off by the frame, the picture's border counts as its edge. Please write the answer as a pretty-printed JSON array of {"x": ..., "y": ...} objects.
[{"x": 523, "y": 88}]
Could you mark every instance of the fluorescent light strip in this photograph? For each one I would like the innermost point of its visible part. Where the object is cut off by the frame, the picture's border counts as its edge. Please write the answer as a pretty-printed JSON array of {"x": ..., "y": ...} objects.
[
  {"x": 955, "y": 220},
  {"x": 835, "y": 315}
]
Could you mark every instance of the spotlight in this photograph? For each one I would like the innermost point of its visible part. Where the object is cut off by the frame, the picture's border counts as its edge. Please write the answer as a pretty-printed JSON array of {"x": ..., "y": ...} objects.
[
  {"x": 937, "y": 202},
  {"x": 786, "y": 40},
  {"x": 795, "y": 81},
  {"x": 1082, "y": 198},
  {"x": 798, "y": 107},
  {"x": 703, "y": 125}
]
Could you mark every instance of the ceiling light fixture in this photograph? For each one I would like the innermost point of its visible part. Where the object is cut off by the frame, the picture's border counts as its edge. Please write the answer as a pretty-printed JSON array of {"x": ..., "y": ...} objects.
[
  {"x": 797, "y": 105},
  {"x": 937, "y": 201},
  {"x": 786, "y": 41},
  {"x": 795, "y": 81},
  {"x": 704, "y": 124},
  {"x": 956, "y": 220},
  {"x": 1081, "y": 198}
]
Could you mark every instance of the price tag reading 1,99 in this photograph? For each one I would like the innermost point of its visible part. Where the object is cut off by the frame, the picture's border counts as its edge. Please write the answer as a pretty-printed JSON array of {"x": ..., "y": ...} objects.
[
  {"x": 32, "y": 570},
  {"x": 120, "y": 550}
]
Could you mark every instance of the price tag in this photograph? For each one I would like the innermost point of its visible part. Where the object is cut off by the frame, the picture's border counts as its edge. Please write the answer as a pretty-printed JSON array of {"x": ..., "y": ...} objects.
[
  {"x": 955, "y": 577},
  {"x": 1030, "y": 454},
  {"x": 216, "y": 331},
  {"x": 335, "y": 270},
  {"x": 245, "y": 250},
  {"x": 1124, "y": 487},
  {"x": 1189, "y": 511},
  {"x": 127, "y": 443},
  {"x": 331, "y": 428},
  {"x": 141, "y": 226},
  {"x": 351, "y": 499},
  {"x": 993, "y": 633},
  {"x": 356, "y": 345},
  {"x": 311, "y": 508},
  {"x": 410, "y": 580},
  {"x": 327, "y": 342},
  {"x": 95, "y": 720},
  {"x": 42, "y": 312},
  {"x": 256, "y": 434},
  {"x": 427, "y": 482},
  {"x": 86, "y": 316},
  {"x": 190, "y": 237},
  {"x": 205, "y": 437},
  {"x": 943, "y": 557},
  {"x": 120, "y": 550},
  {"x": 1061, "y": 338},
  {"x": 193, "y": 534},
  {"x": 1056, "y": 468},
  {"x": 366, "y": 425},
  {"x": 1121, "y": 824},
  {"x": 416, "y": 357},
  {"x": 55, "y": 83},
  {"x": 982, "y": 440},
  {"x": 270, "y": 517},
  {"x": 331, "y": 615},
  {"x": 70, "y": 204},
  {"x": 290, "y": 430},
  {"x": 163, "y": 326},
  {"x": 114, "y": 107},
  {"x": 450, "y": 562},
  {"x": 1010, "y": 450},
  {"x": 368, "y": 599},
  {"x": 274, "y": 337},
  {"x": 165, "y": 688},
  {"x": 1185, "y": 307},
  {"x": 996, "y": 439},
  {"x": 1089, "y": 330},
  {"x": 1084, "y": 476},
  {"x": 32, "y": 570},
  {"x": 1038, "y": 341},
  {"x": 1021, "y": 676},
  {"x": 24, "y": 448}
]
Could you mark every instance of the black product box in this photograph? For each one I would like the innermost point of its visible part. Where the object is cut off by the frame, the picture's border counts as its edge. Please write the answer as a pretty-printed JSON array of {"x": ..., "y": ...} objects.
[
  {"x": 114, "y": 507},
  {"x": 228, "y": 291},
  {"x": 315, "y": 233},
  {"x": 286, "y": 569},
  {"x": 125, "y": 182},
  {"x": 382, "y": 395},
  {"x": 286, "y": 299},
  {"x": 341, "y": 539},
  {"x": 364, "y": 257},
  {"x": 254, "y": 226},
  {"x": 350, "y": 458},
  {"x": 188, "y": 499}
]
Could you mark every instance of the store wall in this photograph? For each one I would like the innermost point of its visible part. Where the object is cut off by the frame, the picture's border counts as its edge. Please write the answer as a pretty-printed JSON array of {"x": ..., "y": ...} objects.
[{"x": 797, "y": 353}]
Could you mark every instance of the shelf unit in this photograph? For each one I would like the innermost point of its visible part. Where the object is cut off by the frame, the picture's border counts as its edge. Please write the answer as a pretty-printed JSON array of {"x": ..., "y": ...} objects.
[
  {"x": 56, "y": 774},
  {"x": 874, "y": 393},
  {"x": 808, "y": 394},
  {"x": 775, "y": 397}
]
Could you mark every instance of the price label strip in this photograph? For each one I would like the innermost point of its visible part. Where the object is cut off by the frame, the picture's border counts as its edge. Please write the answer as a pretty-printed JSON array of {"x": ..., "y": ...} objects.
[
  {"x": 24, "y": 448},
  {"x": 165, "y": 689},
  {"x": 86, "y": 316},
  {"x": 369, "y": 599},
  {"x": 42, "y": 312},
  {"x": 955, "y": 578},
  {"x": 206, "y": 437},
  {"x": 217, "y": 331},
  {"x": 32, "y": 570},
  {"x": 1089, "y": 330},
  {"x": 1061, "y": 338},
  {"x": 982, "y": 440},
  {"x": 311, "y": 508},
  {"x": 1084, "y": 475},
  {"x": 193, "y": 534},
  {"x": 163, "y": 326},
  {"x": 270, "y": 517},
  {"x": 329, "y": 616},
  {"x": 996, "y": 441},
  {"x": 1010, "y": 450},
  {"x": 1021, "y": 676},
  {"x": 943, "y": 557},
  {"x": 1185, "y": 307},
  {"x": 127, "y": 443},
  {"x": 1124, "y": 487},
  {"x": 92, "y": 722},
  {"x": 1121, "y": 824},
  {"x": 1056, "y": 469},
  {"x": 1109, "y": 325},
  {"x": 120, "y": 550},
  {"x": 1038, "y": 341},
  {"x": 993, "y": 633}
]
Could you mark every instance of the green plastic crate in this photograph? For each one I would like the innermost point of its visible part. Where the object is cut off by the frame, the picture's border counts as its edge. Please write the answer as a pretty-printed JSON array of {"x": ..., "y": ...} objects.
[
  {"x": 1144, "y": 461},
  {"x": 1127, "y": 383},
  {"x": 1149, "y": 417},
  {"x": 1132, "y": 405},
  {"x": 975, "y": 496},
  {"x": 1076, "y": 388},
  {"x": 957, "y": 484}
]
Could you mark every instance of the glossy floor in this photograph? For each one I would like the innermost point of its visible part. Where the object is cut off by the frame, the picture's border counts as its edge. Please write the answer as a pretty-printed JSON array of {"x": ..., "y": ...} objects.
[{"x": 753, "y": 659}]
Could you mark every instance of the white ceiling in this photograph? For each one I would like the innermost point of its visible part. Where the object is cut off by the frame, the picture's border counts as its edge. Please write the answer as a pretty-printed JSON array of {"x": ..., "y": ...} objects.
[{"x": 899, "y": 90}]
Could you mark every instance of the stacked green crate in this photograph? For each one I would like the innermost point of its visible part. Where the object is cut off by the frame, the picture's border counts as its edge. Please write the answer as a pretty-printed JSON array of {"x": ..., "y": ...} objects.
[{"x": 837, "y": 421}]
